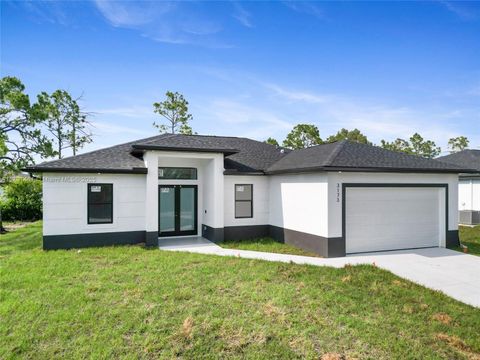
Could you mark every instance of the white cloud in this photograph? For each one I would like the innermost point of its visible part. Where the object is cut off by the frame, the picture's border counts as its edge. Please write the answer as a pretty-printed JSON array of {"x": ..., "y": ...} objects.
[
  {"x": 305, "y": 7},
  {"x": 461, "y": 10},
  {"x": 237, "y": 117},
  {"x": 130, "y": 14},
  {"x": 105, "y": 128},
  {"x": 167, "y": 22},
  {"x": 242, "y": 15},
  {"x": 135, "y": 111},
  {"x": 46, "y": 11},
  {"x": 295, "y": 95}
]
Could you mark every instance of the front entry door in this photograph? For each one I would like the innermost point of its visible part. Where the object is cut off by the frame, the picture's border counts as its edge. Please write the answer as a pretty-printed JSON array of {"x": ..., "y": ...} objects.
[{"x": 177, "y": 210}]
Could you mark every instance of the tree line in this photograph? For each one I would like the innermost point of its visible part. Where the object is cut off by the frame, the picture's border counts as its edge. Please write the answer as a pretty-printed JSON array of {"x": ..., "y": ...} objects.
[
  {"x": 307, "y": 135},
  {"x": 45, "y": 128}
]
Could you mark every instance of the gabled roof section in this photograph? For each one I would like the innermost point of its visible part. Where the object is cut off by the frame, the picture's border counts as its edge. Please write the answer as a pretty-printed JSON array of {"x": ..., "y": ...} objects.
[
  {"x": 114, "y": 159},
  {"x": 466, "y": 158},
  {"x": 193, "y": 143},
  {"x": 242, "y": 155},
  {"x": 351, "y": 156}
]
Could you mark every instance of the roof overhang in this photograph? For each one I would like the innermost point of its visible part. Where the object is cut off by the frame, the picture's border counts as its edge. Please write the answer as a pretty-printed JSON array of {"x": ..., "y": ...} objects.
[
  {"x": 227, "y": 152},
  {"x": 243, "y": 173},
  {"x": 370, "y": 169},
  {"x": 465, "y": 176},
  {"x": 39, "y": 169}
]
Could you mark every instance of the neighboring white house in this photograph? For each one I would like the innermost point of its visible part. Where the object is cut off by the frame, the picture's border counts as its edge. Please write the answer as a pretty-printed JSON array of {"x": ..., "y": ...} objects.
[
  {"x": 332, "y": 199},
  {"x": 469, "y": 185}
]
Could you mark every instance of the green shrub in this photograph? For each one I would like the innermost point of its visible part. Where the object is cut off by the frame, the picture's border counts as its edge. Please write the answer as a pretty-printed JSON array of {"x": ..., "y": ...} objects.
[{"x": 22, "y": 200}]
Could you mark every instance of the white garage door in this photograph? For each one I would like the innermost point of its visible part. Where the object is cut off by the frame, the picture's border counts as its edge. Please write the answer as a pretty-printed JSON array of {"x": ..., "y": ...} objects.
[{"x": 390, "y": 218}]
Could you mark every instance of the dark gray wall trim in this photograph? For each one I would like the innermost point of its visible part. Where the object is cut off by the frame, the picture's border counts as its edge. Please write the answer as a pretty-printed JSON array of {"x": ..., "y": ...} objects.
[
  {"x": 151, "y": 238},
  {"x": 452, "y": 239},
  {"x": 326, "y": 247},
  {"x": 246, "y": 232},
  {"x": 213, "y": 234},
  {"x": 47, "y": 170},
  {"x": 53, "y": 242},
  {"x": 393, "y": 185}
]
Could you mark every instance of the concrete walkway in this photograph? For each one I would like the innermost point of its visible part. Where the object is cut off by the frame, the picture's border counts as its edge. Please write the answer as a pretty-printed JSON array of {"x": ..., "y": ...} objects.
[{"x": 455, "y": 274}]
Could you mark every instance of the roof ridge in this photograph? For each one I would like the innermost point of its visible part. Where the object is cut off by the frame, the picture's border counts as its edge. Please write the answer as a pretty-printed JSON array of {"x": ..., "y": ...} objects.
[
  {"x": 335, "y": 152},
  {"x": 216, "y": 136},
  {"x": 150, "y": 139}
]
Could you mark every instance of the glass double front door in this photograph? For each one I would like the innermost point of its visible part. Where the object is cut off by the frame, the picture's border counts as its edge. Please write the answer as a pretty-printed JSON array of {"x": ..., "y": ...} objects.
[{"x": 177, "y": 210}]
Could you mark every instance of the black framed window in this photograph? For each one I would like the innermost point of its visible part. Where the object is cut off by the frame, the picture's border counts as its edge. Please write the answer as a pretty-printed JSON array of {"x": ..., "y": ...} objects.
[
  {"x": 243, "y": 201},
  {"x": 177, "y": 173},
  {"x": 100, "y": 203}
]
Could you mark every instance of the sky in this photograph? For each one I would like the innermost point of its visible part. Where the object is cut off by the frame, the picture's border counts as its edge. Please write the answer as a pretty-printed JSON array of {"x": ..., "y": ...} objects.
[{"x": 255, "y": 69}]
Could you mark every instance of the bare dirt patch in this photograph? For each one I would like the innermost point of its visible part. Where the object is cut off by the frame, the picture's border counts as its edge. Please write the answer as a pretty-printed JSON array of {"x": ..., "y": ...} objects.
[
  {"x": 12, "y": 226},
  {"x": 443, "y": 318}
]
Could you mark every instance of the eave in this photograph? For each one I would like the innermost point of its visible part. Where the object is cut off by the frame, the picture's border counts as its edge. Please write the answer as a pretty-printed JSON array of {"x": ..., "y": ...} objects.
[{"x": 35, "y": 169}]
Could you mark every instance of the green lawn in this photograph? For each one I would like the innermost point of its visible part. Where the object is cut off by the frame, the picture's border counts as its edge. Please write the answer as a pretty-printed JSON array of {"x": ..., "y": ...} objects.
[
  {"x": 129, "y": 302},
  {"x": 265, "y": 244},
  {"x": 470, "y": 237}
]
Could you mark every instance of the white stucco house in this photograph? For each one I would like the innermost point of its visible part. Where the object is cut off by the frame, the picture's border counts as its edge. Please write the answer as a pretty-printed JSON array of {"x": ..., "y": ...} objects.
[
  {"x": 333, "y": 199},
  {"x": 469, "y": 185}
]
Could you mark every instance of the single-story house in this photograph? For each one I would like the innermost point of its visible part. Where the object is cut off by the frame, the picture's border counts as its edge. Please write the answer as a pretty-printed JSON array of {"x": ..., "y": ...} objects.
[
  {"x": 469, "y": 185},
  {"x": 333, "y": 199}
]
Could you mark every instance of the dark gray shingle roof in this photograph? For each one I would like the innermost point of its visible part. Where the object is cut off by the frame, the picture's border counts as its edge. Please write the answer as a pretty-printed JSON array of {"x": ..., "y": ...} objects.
[
  {"x": 114, "y": 159},
  {"x": 241, "y": 154},
  {"x": 244, "y": 155},
  {"x": 466, "y": 158},
  {"x": 351, "y": 156}
]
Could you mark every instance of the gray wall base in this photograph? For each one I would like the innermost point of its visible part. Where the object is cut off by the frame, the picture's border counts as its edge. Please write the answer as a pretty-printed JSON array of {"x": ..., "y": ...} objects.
[
  {"x": 54, "y": 242},
  {"x": 246, "y": 232},
  {"x": 469, "y": 217},
  {"x": 453, "y": 239},
  {"x": 326, "y": 247},
  {"x": 213, "y": 234},
  {"x": 151, "y": 238}
]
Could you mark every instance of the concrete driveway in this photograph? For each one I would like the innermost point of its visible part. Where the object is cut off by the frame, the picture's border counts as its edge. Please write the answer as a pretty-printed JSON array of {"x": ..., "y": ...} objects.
[{"x": 454, "y": 273}]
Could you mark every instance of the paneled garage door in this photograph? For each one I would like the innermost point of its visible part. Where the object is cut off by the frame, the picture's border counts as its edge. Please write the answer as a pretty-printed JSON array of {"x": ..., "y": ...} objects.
[{"x": 390, "y": 218}]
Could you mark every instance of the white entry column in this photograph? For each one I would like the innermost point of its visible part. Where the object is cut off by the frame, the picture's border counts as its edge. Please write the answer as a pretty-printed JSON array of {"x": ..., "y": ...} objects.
[{"x": 151, "y": 198}]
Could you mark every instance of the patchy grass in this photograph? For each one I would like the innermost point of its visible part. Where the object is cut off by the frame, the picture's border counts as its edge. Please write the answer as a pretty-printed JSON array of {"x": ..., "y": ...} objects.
[
  {"x": 24, "y": 238},
  {"x": 129, "y": 302},
  {"x": 470, "y": 237},
  {"x": 267, "y": 245}
]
